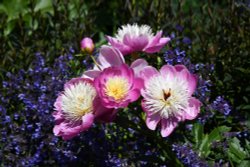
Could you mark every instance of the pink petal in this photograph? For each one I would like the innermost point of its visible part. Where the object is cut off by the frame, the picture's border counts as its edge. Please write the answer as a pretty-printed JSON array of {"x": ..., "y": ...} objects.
[
  {"x": 124, "y": 49},
  {"x": 58, "y": 116},
  {"x": 164, "y": 41},
  {"x": 91, "y": 74},
  {"x": 87, "y": 121},
  {"x": 103, "y": 114},
  {"x": 58, "y": 103},
  {"x": 180, "y": 67},
  {"x": 183, "y": 74},
  {"x": 144, "y": 107},
  {"x": 138, "y": 83},
  {"x": 68, "y": 130},
  {"x": 155, "y": 40},
  {"x": 148, "y": 72},
  {"x": 127, "y": 72},
  {"x": 152, "y": 121},
  {"x": 127, "y": 40},
  {"x": 192, "y": 83},
  {"x": 56, "y": 130},
  {"x": 133, "y": 95},
  {"x": 107, "y": 115},
  {"x": 76, "y": 81},
  {"x": 157, "y": 47},
  {"x": 138, "y": 65},
  {"x": 69, "y": 133},
  {"x": 110, "y": 56},
  {"x": 137, "y": 43},
  {"x": 167, "y": 127},
  {"x": 193, "y": 109},
  {"x": 168, "y": 71}
]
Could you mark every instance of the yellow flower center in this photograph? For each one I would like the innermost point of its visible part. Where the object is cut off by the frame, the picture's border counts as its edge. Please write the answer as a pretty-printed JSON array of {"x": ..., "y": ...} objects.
[{"x": 117, "y": 87}]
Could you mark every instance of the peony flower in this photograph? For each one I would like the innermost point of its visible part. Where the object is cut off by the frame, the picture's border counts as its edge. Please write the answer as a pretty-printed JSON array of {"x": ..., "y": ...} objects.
[
  {"x": 118, "y": 86},
  {"x": 112, "y": 57},
  {"x": 168, "y": 97},
  {"x": 133, "y": 38},
  {"x": 77, "y": 107},
  {"x": 87, "y": 45}
]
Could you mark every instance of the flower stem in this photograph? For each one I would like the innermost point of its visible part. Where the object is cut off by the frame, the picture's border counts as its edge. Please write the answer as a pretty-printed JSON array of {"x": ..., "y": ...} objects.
[{"x": 95, "y": 62}]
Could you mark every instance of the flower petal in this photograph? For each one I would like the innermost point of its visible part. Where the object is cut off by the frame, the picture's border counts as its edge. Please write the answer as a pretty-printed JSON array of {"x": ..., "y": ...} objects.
[
  {"x": 168, "y": 71},
  {"x": 66, "y": 131},
  {"x": 102, "y": 113},
  {"x": 58, "y": 116},
  {"x": 138, "y": 65},
  {"x": 193, "y": 109},
  {"x": 157, "y": 47},
  {"x": 155, "y": 40},
  {"x": 184, "y": 74},
  {"x": 180, "y": 67},
  {"x": 133, "y": 95},
  {"x": 124, "y": 49},
  {"x": 91, "y": 74},
  {"x": 76, "y": 81},
  {"x": 58, "y": 103},
  {"x": 138, "y": 83},
  {"x": 144, "y": 107},
  {"x": 137, "y": 43},
  {"x": 110, "y": 56},
  {"x": 167, "y": 127},
  {"x": 148, "y": 72},
  {"x": 192, "y": 83},
  {"x": 87, "y": 121},
  {"x": 152, "y": 121}
]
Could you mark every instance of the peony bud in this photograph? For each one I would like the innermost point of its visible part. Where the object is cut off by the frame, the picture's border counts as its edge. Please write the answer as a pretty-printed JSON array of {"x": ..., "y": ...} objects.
[{"x": 87, "y": 45}]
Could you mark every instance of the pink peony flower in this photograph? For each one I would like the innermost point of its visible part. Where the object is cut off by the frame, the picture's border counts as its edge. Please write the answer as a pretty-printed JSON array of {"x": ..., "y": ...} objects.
[
  {"x": 87, "y": 45},
  {"x": 112, "y": 57},
  {"x": 133, "y": 38},
  {"x": 77, "y": 107},
  {"x": 118, "y": 86},
  {"x": 168, "y": 97}
]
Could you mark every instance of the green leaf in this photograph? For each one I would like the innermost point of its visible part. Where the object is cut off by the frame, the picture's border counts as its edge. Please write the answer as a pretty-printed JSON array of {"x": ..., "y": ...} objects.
[
  {"x": 236, "y": 152},
  {"x": 2, "y": 9},
  {"x": 246, "y": 107},
  {"x": 13, "y": 8},
  {"x": 204, "y": 147},
  {"x": 198, "y": 133},
  {"x": 216, "y": 134},
  {"x": 245, "y": 71},
  {"x": 9, "y": 28},
  {"x": 244, "y": 163},
  {"x": 44, "y": 6}
]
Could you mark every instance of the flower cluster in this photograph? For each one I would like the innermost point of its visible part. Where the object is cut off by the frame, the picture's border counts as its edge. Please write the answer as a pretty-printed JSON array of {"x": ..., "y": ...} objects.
[
  {"x": 25, "y": 126},
  {"x": 188, "y": 156},
  {"x": 112, "y": 84},
  {"x": 26, "y": 121},
  {"x": 221, "y": 105}
]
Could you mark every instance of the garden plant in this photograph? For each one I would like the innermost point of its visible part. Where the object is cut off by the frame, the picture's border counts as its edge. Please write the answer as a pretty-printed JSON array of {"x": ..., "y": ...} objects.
[{"x": 125, "y": 83}]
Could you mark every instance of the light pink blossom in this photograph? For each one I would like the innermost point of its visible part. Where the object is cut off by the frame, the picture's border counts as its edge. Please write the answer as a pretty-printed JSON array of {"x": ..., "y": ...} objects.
[
  {"x": 77, "y": 107},
  {"x": 133, "y": 38},
  {"x": 118, "y": 86},
  {"x": 168, "y": 97},
  {"x": 87, "y": 45}
]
